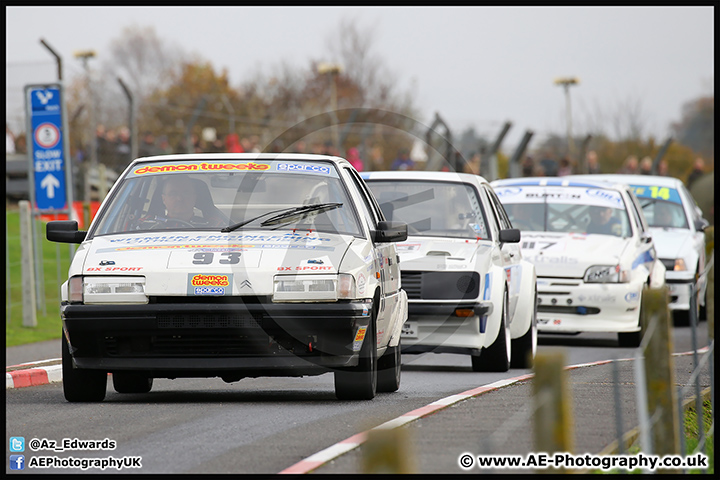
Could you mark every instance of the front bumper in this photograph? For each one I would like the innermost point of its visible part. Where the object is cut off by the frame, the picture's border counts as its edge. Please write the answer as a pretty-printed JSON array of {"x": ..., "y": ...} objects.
[
  {"x": 571, "y": 305},
  {"x": 436, "y": 328},
  {"x": 217, "y": 339}
]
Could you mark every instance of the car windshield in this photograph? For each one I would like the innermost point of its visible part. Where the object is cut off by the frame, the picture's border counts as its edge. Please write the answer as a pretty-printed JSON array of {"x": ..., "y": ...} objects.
[
  {"x": 565, "y": 209},
  {"x": 202, "y": 195},
  {"x": 662, "y": 206},
  {"x": 442, "y": 209}
]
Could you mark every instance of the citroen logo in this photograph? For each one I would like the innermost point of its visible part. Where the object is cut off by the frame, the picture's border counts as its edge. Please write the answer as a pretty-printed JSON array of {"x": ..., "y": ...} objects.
[{"x": 246, "y": 283}]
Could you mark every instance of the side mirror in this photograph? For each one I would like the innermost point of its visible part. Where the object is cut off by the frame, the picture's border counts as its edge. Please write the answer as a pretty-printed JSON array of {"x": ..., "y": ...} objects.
[
  {"x": 645, "y": 238},
  {"x": 64, "y": 231},
  {"x": 701, "y": 224},
  {"x": 510, "y": 235},
  {"x": 390, "y": 232}
]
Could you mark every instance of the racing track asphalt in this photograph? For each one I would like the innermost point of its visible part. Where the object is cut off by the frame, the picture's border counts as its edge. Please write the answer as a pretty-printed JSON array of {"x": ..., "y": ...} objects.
[{"x": 491, "y": 419}]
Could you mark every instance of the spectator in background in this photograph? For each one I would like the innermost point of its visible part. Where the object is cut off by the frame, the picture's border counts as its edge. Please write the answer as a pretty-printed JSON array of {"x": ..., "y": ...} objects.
[
  {"x": 246, "y": 145},
  {"x": 353, "y": 156},
  {"x": 697, "y": 172},
  {"x": 630, "y": 167},
  {"x": 549, "y": 165},
  {"x": 107, "y": 150},
  {"x": 565, "y": 168},
  {"x": 9, "y": 140},
  {"x": 473, "y": 165},
  {"x": 403, "y": 161},
  {"x": 538, "y": 171},
  {"x": 147, "y": 147},
  {"x": 377, "y": 162},
  {"x": 232, "y": 143},
  {"x": 591, "y": 159},
  {"x": 646, "y": 166},
  {"x": 528, "y": 166},
  {"x": 663, "y": 168},
  {"x": 300, "y": 147},
  {"x": 122, "y": 147},
  {"x": 164, "y": 145}
]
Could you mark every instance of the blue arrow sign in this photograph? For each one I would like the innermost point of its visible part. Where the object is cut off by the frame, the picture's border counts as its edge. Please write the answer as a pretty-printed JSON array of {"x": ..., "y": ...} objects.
[{"x": 47, "y": 142}]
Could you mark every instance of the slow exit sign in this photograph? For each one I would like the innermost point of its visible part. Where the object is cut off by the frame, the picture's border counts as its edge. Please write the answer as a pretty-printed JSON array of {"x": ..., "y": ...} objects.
[{"x": 48, "y": 163}]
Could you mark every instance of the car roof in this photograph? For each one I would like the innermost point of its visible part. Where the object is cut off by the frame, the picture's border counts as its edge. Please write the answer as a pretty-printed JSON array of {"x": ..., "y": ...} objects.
[
  {"x": 650, "y": 180},
  {"x": 422, "y": 175},
  {"x": 566, "y": 181},
  {"x": 239, "y": 156}
]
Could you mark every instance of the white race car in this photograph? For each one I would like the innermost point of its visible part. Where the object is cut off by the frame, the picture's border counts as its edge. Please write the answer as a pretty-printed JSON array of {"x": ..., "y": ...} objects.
[
  {"x": 677, "y": 226},
  {"x": 233, "y": 266},
  {"x": 469, "y": 289},
  {"x": 592, "y": 249}
]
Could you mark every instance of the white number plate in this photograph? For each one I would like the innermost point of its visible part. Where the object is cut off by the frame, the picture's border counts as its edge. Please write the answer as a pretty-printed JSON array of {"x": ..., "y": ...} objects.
[{"x": 409, "y": 330}]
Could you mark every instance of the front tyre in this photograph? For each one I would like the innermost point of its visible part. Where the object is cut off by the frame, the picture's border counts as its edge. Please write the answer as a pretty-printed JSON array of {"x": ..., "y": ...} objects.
[
  {"x": 496, "y": 358},
  {"x": 524, "y": 348},
  {"x": 360, "y": 382},
  {"x": 389, "y": 370},
  {"x": 81, "y": 385}
]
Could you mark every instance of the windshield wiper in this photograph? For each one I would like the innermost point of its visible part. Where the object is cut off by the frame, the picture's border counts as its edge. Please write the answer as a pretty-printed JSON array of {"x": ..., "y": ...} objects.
[
  {"x": 286, "y": 212},
  {"x": 245, "y": 222},
  {"x": 305, "y": 209}
]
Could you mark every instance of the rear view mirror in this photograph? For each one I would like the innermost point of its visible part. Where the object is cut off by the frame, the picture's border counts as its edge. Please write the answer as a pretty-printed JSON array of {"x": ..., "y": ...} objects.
[
  {"x": 390, "y": 232},
  {"x": 64, "y": 231},
  {"x": 701, "y": 224},
  {"x": 510, "y": 235}
]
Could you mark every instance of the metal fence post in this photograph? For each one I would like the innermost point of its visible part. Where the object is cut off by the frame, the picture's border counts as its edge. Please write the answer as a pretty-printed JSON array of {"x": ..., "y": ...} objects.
[
  {"x": 28, "y": 267},
  {"x": 552, "y": 419},
  {"x": 659, "y": 372}
]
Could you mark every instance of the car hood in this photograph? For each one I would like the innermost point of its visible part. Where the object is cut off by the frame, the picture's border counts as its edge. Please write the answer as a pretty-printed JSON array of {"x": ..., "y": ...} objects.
[
  {"x": 671, "y": 242},
  {"x": 433, "y": 253},
  {"x": 570, "y": 254},
  {"x": 246, "y": 260}
]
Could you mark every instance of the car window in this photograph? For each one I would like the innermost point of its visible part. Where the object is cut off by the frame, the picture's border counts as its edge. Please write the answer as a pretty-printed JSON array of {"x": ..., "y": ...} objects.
[
  {"x": 566, "y": 209},
  {"x": 433, "y": 208},
  {"x": 636, "y": 212},
  {"x": 228, "y": 192},
  {"x": 503, "y": 219},
  {"x": 662, "y": 206}
]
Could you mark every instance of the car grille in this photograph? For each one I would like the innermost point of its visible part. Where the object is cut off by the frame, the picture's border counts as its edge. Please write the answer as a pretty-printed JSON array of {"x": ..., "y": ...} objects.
[
  {"x": 203, "y": 320},
  {"x": 441, "y": 285},
  {"x": 185, "y": 345}
]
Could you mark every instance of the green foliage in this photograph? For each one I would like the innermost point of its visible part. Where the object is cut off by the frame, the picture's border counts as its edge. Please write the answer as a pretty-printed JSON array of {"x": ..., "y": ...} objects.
[{"x": 55, "y": 273}]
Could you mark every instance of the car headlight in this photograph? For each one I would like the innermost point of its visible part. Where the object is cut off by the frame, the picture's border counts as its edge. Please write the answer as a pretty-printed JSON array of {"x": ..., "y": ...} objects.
[
  {"x": 679, "y": 265},
  {"x": 105, "y": 290},
  {"x": 313, "y": 288},
  {"x": 606, "y": 274}
]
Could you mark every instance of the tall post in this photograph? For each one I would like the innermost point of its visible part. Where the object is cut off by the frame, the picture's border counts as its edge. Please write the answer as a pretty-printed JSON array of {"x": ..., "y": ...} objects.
[
  {"x": 85, "y": 56},
  {"x": 333, "y": 70},
  {"x": 131, "y": 120},
  {"x": 566, "y": 83},
  {"x": 70, "y": 194},
  {"x": 492, "y": 155},
  {"x": 514, "y": 167},
  {"x": 660, "y": 155}
]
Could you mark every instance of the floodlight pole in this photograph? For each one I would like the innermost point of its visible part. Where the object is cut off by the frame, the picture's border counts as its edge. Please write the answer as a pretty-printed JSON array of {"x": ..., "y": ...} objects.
[{"x": 566, "y": 82}]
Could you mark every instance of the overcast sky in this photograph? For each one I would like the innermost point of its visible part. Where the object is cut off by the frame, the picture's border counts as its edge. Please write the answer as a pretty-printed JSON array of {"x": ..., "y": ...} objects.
[{"x": 475, "y": 66}]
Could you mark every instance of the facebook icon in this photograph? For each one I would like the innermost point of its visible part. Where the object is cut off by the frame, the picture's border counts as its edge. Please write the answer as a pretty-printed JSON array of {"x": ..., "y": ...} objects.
[{"x": 17, "y": 462}]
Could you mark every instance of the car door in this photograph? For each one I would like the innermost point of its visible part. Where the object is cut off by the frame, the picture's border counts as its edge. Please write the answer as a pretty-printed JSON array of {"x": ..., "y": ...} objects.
[
  {"x": 510, "y": 253},
  {"x": 386, "y": 258},
  {"x": 645, "y": 248}
]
